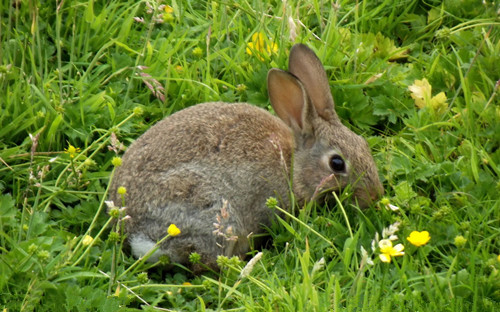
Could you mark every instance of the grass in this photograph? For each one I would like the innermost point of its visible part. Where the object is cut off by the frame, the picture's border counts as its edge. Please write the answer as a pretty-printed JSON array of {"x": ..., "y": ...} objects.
[{"x": 93, "y": 76}]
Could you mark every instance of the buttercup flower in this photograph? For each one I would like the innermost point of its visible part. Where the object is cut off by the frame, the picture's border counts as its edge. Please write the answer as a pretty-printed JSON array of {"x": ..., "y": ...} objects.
[
  {"x": 122, "y": 190},
  {"x": 387, "y": 250},
  {"x": 460, "y": 241},
  {"x": 173, "y": 230},
  {"x": 259, "y": 47},
  {"x": 198, "y": 52},
  {"x": 87, "y": 240},
  {"x": 116, "y": 161},
  {"x": 421, "y": 92},
  {"x": 71, "y": 150},
  {"x": 418, "y": 239},
  {"x": 168, "y": 9}
]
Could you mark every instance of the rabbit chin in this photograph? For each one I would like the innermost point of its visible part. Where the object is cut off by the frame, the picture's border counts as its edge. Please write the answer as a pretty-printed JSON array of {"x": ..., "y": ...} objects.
[{"x": 141, "y": 245}]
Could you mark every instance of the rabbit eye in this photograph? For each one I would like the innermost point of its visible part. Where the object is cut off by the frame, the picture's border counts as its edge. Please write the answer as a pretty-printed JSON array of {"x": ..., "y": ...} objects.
[{"x": 337, "y": 163}]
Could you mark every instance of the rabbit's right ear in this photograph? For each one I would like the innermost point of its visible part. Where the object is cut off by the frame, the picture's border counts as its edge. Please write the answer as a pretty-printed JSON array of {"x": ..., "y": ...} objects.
[{"x": 288, "y": 99}]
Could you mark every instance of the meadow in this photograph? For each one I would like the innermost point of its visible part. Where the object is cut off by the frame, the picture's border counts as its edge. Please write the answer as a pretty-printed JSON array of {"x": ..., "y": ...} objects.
[{"x": 82, "y": 79}]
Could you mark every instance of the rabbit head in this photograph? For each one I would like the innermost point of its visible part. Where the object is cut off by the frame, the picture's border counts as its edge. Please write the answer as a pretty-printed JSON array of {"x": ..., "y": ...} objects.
[{"x": 328, "y": 156}]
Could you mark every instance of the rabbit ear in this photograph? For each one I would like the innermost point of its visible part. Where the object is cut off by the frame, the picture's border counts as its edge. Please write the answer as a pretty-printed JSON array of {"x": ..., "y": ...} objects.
[
  {"x": 288, "y": 98},
  {"x": 306, "y": 66}
]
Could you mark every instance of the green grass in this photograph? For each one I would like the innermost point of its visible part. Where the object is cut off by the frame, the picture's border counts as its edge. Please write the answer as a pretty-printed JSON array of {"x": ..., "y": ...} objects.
[{"x": 77, "y": 73}]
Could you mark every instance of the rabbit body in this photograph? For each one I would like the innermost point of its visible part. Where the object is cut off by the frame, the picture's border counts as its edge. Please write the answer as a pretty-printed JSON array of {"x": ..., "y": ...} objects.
[
  {"x": 210, "y": 168},
  {"x": 193, "y": 165}
]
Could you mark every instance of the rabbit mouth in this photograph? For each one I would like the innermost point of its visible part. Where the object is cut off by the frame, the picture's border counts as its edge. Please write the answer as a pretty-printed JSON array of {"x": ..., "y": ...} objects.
[{"x": 332, "y": 196}]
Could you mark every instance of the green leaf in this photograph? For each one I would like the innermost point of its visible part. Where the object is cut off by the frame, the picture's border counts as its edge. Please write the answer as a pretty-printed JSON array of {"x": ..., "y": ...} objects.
[{"x": 7, "y": 208}]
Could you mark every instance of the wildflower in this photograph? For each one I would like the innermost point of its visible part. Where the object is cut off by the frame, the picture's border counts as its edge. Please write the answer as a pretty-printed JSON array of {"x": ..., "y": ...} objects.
[
  {"x": 164, "y": 259},
  {"x": 114, "y": 237},
  {"x": 116, "y": 161},
  {"x": 198, "y": 52},
  {"x": 142, "y": 277},
  {"x": 173, "y": 230},
  {"x": 389, "y": 232},
  {"x": 179, "y": 69},
  {"x": 122, "y": 190},
  {"x": 138, "y": 111},
  {"x": 117, "y": 291},
  {"x": 89, "y": 163},
  {"x": 168, "y": 9},
  {"x": 498, "y": 258},
  {"x": 418, "y": 239},
  {"x": 43, "y": 255},
  {"x": 387, "y": 250},
  {"x": 194, "y": 258},
  {"x": 271, "y": 203},
  {"x": 365, "y": 257},
  {"x": 387, "y": 204},
  {"x": 32, "y": 248},
  {"x": 168, "y": 17},
  {"x": 241, "y": 88},
  {"x": 114, "y": 212},
  {"x": 460, "y": 241},
  {"x": 187, "y": 284},
  {"x": 384, "y": 201},
  {"x": 87, "y": 240},
  {"x": 71, "y": 150},
  {"x": 110, "y": 204},
  {"x": 259, "y": 47},
  {"x": 421, "y": 92}
]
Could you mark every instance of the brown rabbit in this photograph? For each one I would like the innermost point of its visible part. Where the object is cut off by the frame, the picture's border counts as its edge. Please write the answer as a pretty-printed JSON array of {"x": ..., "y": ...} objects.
[{"x": 210, "y": 168}]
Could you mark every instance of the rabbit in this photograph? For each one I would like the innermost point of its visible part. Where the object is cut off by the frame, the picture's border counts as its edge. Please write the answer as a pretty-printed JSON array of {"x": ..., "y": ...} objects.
[{"x": 210, "y": 168}]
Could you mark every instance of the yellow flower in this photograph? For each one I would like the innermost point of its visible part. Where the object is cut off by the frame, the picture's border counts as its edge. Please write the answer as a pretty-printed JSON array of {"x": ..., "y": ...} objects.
[
  {"x": 387, "y": 250},
  {"x": 421, "y": 92},
  {"x": 71, "y": 150},
  {"x": 460, "y": 241},
  {"x": 259, "y": 47},
  {"x": 384, "y": 201},
  {"x": 419, "y": 238},
  {"x": 168, "y": 9},
  {"x": 168, "y": 17},
  {"x": 198, "y": 52},
  {"x": 498, "y": 258},
  {"x": 117, "y": 291},
  {"x": 138, "y": 110},
  {"x": 121, "y": 190},
  {"x": 116, "y": 161},
  {"x": 173, "y": 230},
  {"x": 87, "y": 240}
]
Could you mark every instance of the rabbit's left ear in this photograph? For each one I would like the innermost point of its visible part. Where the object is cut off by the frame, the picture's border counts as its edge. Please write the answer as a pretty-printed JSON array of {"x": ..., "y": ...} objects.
[
  {"x": 288, "y": 99},
  {"x": 306, "y": 66}
]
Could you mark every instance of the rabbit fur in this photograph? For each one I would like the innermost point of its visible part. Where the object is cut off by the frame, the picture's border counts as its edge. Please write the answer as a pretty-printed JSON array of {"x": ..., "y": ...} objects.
[{"x": 210, "y": 168}]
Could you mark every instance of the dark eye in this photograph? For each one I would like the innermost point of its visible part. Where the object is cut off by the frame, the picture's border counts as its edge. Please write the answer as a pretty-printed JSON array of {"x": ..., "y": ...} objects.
[{"x": 337, "y": 163}]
